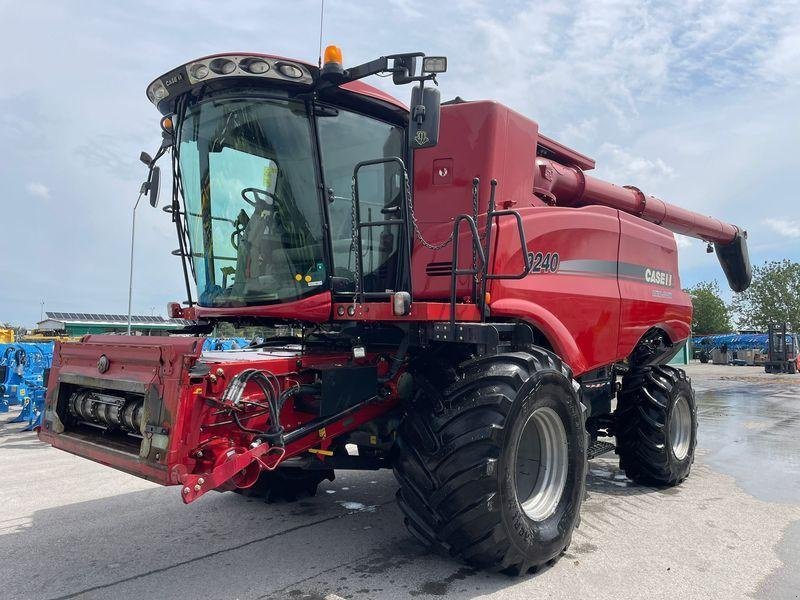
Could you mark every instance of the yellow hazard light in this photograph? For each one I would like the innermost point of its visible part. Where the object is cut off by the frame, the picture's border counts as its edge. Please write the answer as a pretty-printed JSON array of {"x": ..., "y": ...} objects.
[
  {"x": 487, "y": 299},
  {"x": 166, "y": 124},
  {"x": 333, "y": 54}
]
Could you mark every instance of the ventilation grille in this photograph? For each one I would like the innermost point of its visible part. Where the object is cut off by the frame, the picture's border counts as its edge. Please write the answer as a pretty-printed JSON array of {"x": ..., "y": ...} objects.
[{"x": 439, "y": 269}]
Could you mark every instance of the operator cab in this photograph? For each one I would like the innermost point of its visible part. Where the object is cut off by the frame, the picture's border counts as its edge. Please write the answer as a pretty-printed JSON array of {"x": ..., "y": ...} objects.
[{"x": 293, "y": 179}]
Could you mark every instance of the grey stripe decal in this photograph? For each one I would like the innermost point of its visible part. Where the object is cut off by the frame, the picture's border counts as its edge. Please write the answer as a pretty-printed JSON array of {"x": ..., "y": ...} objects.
[{"x": 622, "y": 270}]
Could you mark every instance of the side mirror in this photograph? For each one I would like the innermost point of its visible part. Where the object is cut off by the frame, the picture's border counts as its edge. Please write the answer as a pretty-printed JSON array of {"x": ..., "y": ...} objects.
[
  {"x": 154, "y": 185},
  {"x": 403, "y": 69},
  {"x": 425, "y": 111}
]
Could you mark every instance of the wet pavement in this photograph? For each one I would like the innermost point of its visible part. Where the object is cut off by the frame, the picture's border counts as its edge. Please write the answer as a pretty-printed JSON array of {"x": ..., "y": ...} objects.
[
  {"x": 72, "y": 529},
  {"x": 750, "y": 424}
]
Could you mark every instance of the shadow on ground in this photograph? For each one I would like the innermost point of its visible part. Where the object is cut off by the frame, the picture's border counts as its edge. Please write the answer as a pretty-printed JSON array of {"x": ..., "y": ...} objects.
[{"x": 348, "y": 540}]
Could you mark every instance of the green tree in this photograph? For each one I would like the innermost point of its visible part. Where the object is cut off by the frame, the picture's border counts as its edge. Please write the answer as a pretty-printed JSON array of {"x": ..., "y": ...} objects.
[
  {"x": 773, "y": 297},
  {"x": 711, "y": 314}
]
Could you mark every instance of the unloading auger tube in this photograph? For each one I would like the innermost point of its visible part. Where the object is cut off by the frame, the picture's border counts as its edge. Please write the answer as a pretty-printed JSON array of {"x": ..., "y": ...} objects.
[{"x": 570, "y": 186}]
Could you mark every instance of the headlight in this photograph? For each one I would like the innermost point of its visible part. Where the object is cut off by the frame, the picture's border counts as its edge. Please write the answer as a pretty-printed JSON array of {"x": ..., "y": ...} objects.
[
  {"x": 157, "y": 91},
  {"x": 198, "y": 71},
  {"x": 290, "y": 70},
  {"x": 222, "y": 66},
  {"x": 256, "y": 66}
]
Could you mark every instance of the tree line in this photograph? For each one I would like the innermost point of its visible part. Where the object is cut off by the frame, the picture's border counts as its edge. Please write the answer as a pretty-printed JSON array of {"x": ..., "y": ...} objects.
[{"x": 772, "y": 298}]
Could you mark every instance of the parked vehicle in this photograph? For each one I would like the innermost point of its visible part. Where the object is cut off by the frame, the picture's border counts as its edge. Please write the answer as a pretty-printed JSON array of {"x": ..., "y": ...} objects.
[{"x": 469, "y": 296}]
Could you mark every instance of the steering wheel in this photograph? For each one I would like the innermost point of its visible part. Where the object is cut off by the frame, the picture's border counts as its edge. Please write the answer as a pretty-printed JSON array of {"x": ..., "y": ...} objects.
[{"x": 258, "y": 194}]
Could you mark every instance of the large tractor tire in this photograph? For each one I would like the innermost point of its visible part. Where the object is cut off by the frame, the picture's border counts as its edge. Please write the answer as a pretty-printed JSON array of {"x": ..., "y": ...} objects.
[
  {"x": 656, "y": 425},
  {"x": 287, "y": 484},
  {"x": 492, "y": 465}
]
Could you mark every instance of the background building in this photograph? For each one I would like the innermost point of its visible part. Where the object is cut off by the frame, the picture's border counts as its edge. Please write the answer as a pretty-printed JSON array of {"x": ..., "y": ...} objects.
[{"x": 77, "y": 324}]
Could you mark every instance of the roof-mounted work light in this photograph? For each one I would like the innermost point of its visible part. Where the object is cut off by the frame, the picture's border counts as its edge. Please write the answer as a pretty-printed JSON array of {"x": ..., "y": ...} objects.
[{"x": 434, "y": 64}]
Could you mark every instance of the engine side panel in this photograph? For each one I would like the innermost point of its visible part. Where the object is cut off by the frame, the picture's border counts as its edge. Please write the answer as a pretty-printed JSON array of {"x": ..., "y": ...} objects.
[
  {"x": 649, "y": 284},
  {"x": 478, "y": 139},
  {"x": 574, "y": 279}
]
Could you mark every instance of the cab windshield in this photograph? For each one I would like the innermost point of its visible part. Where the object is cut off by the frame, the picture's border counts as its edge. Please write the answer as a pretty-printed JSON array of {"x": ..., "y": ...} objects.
[{"x": 252, "y": 207}]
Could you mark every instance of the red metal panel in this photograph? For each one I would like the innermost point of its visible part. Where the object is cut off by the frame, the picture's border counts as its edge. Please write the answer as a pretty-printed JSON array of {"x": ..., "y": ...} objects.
[
  {"x": 653, "y": 297},
  {"x": 314, "y": 309},
  {"x": 420, "y": 311},
  {"x": 151, "y": 361},
  {"x": 478, "y": 139},
  {"x": 578, "y": 302}
]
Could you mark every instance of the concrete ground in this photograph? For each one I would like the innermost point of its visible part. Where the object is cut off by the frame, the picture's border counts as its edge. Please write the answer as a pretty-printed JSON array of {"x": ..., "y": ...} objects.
[{"x": 70, "y": 528}]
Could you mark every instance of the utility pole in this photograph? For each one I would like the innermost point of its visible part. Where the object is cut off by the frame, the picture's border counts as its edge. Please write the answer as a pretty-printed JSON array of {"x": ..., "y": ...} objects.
[{"x": 130, "y": 278}]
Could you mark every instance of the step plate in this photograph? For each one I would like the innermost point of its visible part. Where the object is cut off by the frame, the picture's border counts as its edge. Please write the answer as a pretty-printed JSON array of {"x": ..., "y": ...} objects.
[{"x": 598, "y": 448}]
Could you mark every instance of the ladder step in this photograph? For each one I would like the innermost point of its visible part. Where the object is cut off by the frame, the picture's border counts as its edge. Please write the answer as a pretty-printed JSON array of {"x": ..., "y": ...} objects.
[{"x": 598, "y": 448}]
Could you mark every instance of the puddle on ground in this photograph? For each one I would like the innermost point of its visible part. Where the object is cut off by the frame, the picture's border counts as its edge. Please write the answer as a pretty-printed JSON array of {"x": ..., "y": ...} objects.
[
  {"x": 356, "y": 506},
  {"x": 751, "y": 431}
]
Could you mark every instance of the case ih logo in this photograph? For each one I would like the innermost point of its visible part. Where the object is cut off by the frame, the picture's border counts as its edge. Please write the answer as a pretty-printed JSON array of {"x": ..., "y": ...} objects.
[
  {"x": 658, "y": 277},
  {"x": 177, "y": 78},
  {"x": 421, "y": 137}
]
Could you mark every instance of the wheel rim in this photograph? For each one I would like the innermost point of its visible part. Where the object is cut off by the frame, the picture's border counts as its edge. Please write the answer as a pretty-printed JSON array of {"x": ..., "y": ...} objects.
[
  {"x": 680, "y": 428},
  {"x": 542, "y": 462}
]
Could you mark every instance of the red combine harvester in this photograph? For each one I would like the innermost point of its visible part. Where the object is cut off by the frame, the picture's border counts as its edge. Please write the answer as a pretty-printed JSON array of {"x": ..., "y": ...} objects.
[{"x": 469, "y": 298}]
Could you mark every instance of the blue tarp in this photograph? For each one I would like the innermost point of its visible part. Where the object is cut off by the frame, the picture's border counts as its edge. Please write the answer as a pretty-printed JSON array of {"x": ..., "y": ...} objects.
[
  {"x": 733, "y": 341},
  {"x": 225, "y": 343}
]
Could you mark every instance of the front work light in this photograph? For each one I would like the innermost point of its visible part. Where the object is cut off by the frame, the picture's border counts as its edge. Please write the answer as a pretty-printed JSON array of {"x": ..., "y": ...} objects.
[
  {"x": 222, "y": 66},
  {"x": 256, "y": 66},
  {"x": 434, "y": 64}
]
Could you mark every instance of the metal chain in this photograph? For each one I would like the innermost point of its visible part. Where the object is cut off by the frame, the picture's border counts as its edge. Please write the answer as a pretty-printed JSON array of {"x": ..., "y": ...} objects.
[
  {"x": 422, "y": 240},
  {"x": 354, "y": 246},
  {"x": 475, "y": 216}
]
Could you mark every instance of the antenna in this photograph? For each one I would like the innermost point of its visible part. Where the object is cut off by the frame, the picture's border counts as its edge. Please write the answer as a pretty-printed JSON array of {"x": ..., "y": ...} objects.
[{"x": 321, "y": 15}]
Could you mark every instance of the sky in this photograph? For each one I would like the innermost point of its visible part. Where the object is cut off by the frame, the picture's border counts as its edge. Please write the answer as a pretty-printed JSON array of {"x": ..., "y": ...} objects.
[{"x": 695, "y": 102}]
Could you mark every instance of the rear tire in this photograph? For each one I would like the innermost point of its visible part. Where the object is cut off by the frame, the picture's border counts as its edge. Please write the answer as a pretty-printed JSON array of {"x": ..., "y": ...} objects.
[
  {"x": 656, "y": 425},
  {"x": 466, "y": 460},
  {"x": 287, "y": 484}
]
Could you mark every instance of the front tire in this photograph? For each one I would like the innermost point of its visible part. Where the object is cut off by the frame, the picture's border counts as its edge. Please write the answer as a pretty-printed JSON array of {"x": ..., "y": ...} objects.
[
  {"x": 287, "y": 484},
  {"x": 492, "y": 469},
  {"x": 656, "y": 425}
]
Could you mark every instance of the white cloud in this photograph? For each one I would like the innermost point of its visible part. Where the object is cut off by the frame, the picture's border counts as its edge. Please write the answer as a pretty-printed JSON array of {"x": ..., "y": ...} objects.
[
  {"x": 682, "y": 241},
  {"x": 690, "y": 100},
  {"x": 786, "y": 228},
  {"x": 622, "y": 166},
  {"x": 38, "y": 189}
]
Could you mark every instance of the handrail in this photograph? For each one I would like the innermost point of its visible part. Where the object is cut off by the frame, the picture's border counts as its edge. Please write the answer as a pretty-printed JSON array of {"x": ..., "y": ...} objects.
[
  {"x": 455, "y": 272},
  {"x": 484, "y": 253},
  {"x": 360, "y": 294}
]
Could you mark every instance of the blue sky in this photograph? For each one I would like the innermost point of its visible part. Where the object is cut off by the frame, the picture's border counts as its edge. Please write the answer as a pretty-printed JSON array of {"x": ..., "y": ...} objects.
[{"x": 696, "y": 102}]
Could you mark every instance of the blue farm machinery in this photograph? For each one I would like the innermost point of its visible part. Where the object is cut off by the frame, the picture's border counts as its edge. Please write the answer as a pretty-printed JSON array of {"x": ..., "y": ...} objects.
[
  {"x": 216, "y": 343},
  {"x": 24, "y": 368}
]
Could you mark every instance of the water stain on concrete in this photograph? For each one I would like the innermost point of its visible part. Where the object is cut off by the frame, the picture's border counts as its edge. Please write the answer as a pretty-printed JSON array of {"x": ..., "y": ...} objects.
[
  {"x": 442, "y": 587},
  {"x": 751, "y": 426},
  {"x": 784, "y": 584}
]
